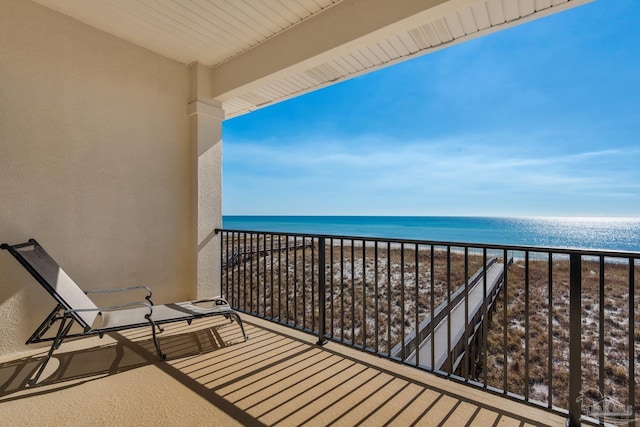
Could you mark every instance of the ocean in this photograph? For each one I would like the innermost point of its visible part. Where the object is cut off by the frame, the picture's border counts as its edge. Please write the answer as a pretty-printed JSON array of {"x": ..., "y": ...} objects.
[{"x": 608, "y": 233}]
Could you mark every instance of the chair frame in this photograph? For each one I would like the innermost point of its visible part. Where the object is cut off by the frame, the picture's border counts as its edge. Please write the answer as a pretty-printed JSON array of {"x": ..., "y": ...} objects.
[{"x": 67, "y": 315}]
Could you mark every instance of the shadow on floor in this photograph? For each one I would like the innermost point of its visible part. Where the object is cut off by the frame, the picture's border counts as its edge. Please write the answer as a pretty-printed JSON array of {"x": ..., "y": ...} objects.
[
  {"x": 75, "y": 367},
  {"x": 277, "y": 377}
]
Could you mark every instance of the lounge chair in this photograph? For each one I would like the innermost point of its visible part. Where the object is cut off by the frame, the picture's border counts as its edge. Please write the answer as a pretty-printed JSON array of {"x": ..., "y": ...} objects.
[{"x": 75, "y": 306}]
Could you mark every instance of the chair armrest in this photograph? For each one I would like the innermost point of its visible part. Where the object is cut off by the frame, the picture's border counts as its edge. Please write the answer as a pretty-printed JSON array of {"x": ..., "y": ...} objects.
[
  {"x": 217, "y": 300},
  {"x": 101, "y": 310},
  {"x": 114, "y": 307},
  {"x": 132, "y": 288}
]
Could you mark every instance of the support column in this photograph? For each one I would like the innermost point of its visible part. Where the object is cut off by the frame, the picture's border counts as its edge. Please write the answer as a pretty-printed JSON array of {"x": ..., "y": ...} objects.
[{"x": 206, "y": 116}]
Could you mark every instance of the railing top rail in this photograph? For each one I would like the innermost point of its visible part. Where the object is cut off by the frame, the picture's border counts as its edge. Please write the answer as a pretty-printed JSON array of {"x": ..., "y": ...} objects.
[{"x": 535, "y": 249}]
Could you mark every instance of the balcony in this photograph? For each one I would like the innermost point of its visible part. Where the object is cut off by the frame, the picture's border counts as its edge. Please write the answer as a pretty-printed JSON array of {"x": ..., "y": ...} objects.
[
  {"x": 137, "y": 149},
  {"x": 278, "y": 377}
]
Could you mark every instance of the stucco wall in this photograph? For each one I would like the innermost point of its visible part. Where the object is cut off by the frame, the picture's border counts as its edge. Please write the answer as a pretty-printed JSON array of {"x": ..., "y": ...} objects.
[{"x": 94, "y": 163}]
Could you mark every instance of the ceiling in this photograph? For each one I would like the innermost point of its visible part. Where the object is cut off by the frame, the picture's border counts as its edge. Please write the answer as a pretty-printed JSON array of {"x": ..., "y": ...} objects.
[{"x": 265, "y": 51}]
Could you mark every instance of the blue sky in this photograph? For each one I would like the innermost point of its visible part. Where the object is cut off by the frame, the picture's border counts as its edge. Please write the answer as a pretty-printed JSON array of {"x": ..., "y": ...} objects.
[{"x": 542, "y": 119}]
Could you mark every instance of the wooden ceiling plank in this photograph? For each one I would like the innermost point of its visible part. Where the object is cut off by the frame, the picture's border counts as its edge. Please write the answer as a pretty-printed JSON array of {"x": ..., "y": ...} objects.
[
  {"x": 496, "y": 13},
  {"x": 346, "y": 65},
  {"x": 297, "y": 9},
  {"x": 419, "y": 38},
  {"x": 239, "y": 40},
  {"x": 370, "y": 55},
  {"x": 527, "y": 7},
  {"x": 303, "y": 79},
  {"x": 361, "y": 59},
  {"x": 133, "y": 24},
  {"x": 542, "y": 4},
  {"x": 355, "y": 62},
  {"x": 481, "y": 16},
  {"x": 283, "y": 11},
  {"x": 398, "y": 45},
  {"x": 431, "y": 34},
  {"x": 263, "y": 23},
  {"x": 468, "y": 22},
  {"x": 263, "y": 9},
  {"x": 511, "y": 10},
  {"x": 380, "y": 53},
  {"x": 192, "y": 24},
  {"x": 388, "y": 49},
  {"x": 442, "y": 30},
  {"x": 454, "y": 25},
  {"x": 408, "y": 42}
]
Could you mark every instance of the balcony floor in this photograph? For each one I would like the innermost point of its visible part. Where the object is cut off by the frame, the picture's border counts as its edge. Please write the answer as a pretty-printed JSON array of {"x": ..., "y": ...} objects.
[{"x": 278, "y": 377}]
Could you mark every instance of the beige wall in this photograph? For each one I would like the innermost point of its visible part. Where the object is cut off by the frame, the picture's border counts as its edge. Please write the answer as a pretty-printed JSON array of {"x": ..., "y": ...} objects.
[{"x": 94, "y": 163}]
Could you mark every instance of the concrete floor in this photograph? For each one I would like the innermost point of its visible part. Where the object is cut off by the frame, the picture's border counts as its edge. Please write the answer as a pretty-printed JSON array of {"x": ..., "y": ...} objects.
[{"x": 211, "y": 377}]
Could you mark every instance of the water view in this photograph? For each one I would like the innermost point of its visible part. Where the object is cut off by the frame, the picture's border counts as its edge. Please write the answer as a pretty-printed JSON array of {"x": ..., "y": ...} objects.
[{"x": 608, "y": 233}]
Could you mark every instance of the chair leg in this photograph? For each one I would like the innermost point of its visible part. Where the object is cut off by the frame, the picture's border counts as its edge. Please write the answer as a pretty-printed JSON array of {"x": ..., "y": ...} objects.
[
  {"x": 161, "y": 355},
  {"x": 44, "y": 326},
  {"x": 239, "y": 320},
  {"x": 65, "y": 332},
  {"x": 57, "y": 341}
]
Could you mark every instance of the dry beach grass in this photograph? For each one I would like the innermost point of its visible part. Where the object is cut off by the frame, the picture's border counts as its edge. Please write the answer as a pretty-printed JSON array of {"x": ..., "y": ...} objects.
[{"x": 615, "y": 304}]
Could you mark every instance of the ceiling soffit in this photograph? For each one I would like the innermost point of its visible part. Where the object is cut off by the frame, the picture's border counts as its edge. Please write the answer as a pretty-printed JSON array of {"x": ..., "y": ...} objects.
[{"x": 265, "y": 51}]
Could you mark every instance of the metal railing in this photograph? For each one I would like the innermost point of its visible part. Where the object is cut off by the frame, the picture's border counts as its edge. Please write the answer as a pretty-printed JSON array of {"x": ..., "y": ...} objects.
[{"x": 560, "y": 330}]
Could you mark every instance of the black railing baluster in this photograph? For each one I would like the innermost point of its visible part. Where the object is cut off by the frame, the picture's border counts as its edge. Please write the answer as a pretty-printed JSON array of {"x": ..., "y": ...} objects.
[
  {"x": 364, "y": 294},
  {"x": 295, "y": 280},
  {"x": 353, "y": 292},
  {"x": 280, "y": 278},
  {"x": 402, "y": 307},
  {"x": 313, "y": 280},
  {"x": 377, "y": 307},
  {"x": 449, "y": 363},
  {"x": 550, "y": 332},
  {"x": 235, "y": 282},
  {"x": 467, "y": 326},
  {"x": 254, "y": 284},
  {"x": 485, "y": 321},
  {"x": 331, "y": 334},
  {"x": 505, "y": 325},
  {"x": 631, "y": 336},
  {"x": 224, "y": 278},
  {"x": 253, "y": 259},
  {"x": 244, "y": 271},
  {"x": 432, "y": 308},
  {"x": 230, "y": 267},
  {"x": 389, "y": 290},
  {"x": 322, "y": 292},
  {"x": 241, "y": 272},
  {"x": 287, "y": 272},
  {"x": 575, "y": 338},
  {"x": 601, "y": 329},
  {"x": 265, "y": 277},
  {"x": 417, "y": 305},
  {"x": 341, "y": 290},
  {"x": 304, "y": 282},
  {"x": 256, "y": 287},
  {"x": 271, "y": 280},
  {"x": 526, "y": 325}
]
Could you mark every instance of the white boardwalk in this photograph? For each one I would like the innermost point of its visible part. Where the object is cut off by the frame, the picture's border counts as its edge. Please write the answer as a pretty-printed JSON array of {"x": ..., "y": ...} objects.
[{"x": 457, "y": 316}]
